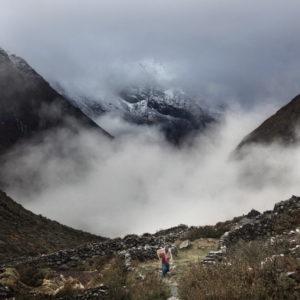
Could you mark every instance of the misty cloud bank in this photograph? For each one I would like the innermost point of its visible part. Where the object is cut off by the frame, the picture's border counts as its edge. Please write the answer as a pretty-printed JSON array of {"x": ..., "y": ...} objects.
[
  {"x": 220, "y": 51},
  {"x": 139, "y": 183}
]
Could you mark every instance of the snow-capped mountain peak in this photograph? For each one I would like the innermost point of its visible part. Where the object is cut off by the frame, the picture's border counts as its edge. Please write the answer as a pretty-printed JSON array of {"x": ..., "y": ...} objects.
[{"x": 171, "y": 109}]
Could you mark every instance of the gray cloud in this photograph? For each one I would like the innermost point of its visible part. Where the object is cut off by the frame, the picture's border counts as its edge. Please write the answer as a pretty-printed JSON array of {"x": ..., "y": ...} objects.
[
  {"x": 218, "y": 50},
  {"x": 222, "y": 51},
  {"x": 139, "y": 183}
]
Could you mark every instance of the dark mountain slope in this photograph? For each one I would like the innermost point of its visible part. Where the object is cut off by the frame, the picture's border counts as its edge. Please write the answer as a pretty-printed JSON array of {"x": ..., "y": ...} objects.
[
  {"x": 177, "y": 115},
  {"x": 281, "y": 127},
  {"x": 25, "y": 233},
  {"x": 29, "y": 106}
]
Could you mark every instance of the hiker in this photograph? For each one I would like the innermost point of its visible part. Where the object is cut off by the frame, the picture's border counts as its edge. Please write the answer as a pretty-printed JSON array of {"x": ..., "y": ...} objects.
[{"x": 165, "y": 256}]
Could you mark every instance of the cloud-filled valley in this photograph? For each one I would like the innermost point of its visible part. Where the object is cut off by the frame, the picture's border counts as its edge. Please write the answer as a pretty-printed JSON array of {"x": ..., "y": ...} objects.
[
  {"x": 240, "y": 56},
  {"x": 140, "y": 183}
]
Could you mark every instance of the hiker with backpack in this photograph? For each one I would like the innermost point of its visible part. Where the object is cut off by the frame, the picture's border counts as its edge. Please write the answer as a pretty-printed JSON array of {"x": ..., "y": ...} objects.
[{"x": 165, "y": 257}]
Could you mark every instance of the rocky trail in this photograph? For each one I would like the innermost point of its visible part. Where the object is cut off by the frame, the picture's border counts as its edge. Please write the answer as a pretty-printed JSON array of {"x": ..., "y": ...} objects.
[
  {"x": 193, "y": 252},
  {"x": 87, "y": 270}
]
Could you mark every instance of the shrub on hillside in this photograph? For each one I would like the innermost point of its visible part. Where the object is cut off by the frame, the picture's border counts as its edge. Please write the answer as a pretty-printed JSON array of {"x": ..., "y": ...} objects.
[
  {"x": 252, "y": 252},
  {"x": 70, "y": 289},
  {"x": 123, "y": 285},
  {"x": 286, "y": 222},
  {"x": 150, "y": 288},
  {"x": 248, "y": 273},
  {"x": 207, "y": 231},
  {"x": 31, "y": 276},
  {"x": 114, "y": 277}
]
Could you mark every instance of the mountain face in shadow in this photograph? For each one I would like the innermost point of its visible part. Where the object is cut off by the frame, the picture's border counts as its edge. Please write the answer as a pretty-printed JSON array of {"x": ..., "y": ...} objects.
[
  {"x": 282, "y": 127},
  {"x": 29, "y": 107},
  {"x": 173, "y": 111}
]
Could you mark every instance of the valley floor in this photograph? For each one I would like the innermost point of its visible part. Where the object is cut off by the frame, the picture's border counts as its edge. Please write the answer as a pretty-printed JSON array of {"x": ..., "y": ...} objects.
[{"x": 254, "y": 256}]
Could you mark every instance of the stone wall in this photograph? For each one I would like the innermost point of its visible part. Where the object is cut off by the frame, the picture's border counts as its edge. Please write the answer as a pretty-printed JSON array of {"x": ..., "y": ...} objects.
[
  {"x": 263, "y": 224},
  {"x": 256, "y": 225},
  {"x": 131, "y": 247}
]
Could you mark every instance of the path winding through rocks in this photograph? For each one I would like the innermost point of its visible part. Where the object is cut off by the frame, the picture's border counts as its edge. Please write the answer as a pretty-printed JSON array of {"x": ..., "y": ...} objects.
[{"x": 184, "y": 259}]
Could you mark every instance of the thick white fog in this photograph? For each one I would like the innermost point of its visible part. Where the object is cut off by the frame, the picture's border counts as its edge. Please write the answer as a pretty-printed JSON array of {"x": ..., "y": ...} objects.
[{"x": 139, "y": 183}]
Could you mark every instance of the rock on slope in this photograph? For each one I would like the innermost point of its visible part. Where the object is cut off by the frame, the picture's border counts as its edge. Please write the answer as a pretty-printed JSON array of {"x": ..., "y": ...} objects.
[
  {"x": 29, "y": 106},
  {"x": 281, "y": 127},
  {"x": 25, "y": 233}
]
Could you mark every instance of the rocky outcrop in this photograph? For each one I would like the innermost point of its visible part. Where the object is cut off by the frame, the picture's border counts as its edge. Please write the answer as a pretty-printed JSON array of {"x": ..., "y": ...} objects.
[
  {"x": 284, "y": 216},
  {"x": 213, "y": 257},
  {"x": 266, "y": 224}
]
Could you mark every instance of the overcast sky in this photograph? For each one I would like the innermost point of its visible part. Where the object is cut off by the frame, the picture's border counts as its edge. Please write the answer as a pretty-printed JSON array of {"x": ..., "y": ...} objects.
[{"x": 220, "y": 50}]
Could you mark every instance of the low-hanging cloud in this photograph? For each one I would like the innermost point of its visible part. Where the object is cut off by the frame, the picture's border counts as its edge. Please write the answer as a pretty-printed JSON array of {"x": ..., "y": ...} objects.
[
  {"x": 140, "y": 183},
  {"x": 219, "y": 50}
]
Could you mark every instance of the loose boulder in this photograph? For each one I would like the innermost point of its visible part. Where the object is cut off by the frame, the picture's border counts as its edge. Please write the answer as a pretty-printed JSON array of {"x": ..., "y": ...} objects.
[{"x": 185, "y": 245}]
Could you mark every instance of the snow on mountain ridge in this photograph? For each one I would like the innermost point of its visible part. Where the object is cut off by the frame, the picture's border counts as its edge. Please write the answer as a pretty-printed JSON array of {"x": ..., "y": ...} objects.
[
  {"x": 171, "y": 102},
  {"x": 176, "y": 113}
]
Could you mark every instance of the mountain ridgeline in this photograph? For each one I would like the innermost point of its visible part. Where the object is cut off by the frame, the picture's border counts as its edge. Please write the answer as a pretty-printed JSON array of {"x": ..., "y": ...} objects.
[
  {"x": 282, "y": 127},
  {"x": 29, "y": 107},
  {"x": 25, "y": 233}
]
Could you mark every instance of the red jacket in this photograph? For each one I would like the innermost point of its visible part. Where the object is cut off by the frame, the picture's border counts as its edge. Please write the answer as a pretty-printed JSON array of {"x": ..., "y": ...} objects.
[{"x": 165, "y": 258}]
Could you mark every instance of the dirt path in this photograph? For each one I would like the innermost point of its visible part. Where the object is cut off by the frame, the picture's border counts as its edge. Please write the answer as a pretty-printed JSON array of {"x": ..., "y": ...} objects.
[
  {"x": 184, "y": 259},
  {"x": 173, "y": 285}
]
